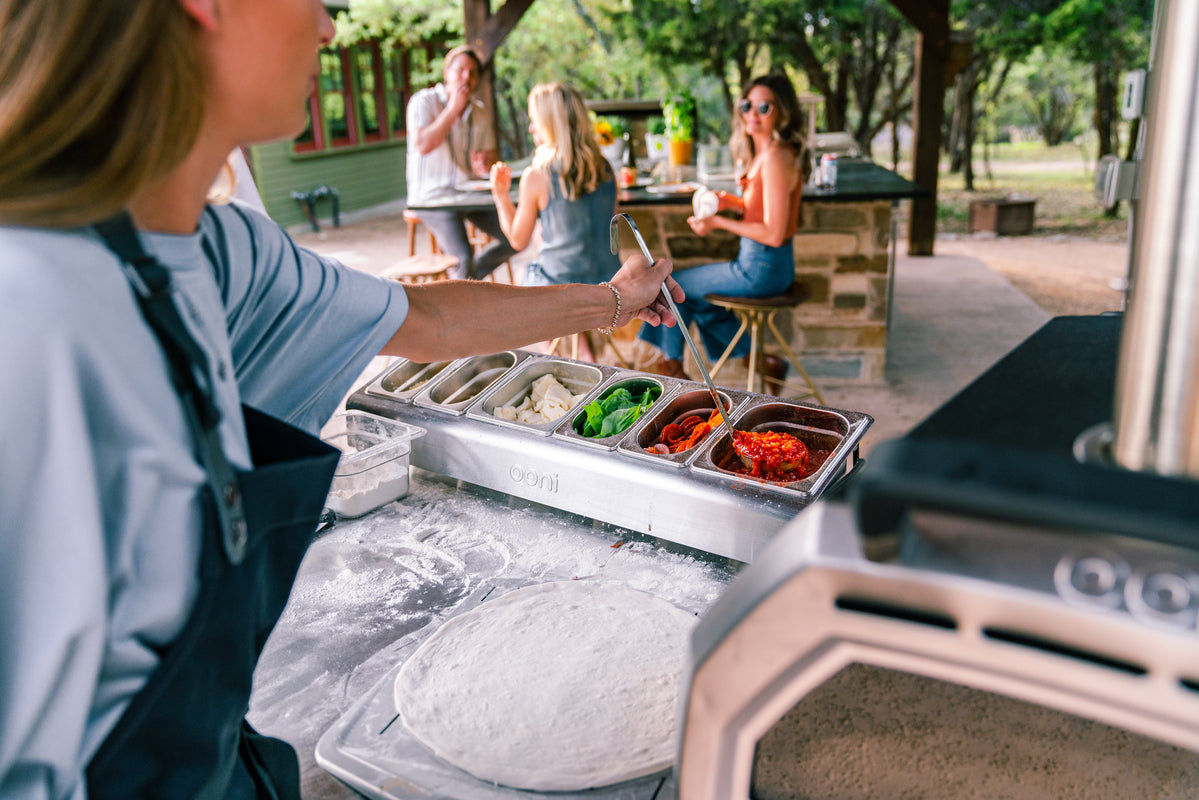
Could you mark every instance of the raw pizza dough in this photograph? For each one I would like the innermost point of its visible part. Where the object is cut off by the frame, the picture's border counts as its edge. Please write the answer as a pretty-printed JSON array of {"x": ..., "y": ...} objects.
[{"x": 554, "y": 687}]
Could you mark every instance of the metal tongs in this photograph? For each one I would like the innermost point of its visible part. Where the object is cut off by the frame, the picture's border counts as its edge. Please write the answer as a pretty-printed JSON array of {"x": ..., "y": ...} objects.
[{"x": 615, "y": 236}]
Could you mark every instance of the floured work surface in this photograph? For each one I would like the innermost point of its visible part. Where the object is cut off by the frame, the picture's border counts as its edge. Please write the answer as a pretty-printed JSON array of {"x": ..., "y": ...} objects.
[{"x": 454, "y": 545}]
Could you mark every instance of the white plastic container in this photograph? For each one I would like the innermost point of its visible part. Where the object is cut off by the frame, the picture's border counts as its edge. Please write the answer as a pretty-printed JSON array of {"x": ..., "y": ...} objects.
[{"x": 373, "y": 469}]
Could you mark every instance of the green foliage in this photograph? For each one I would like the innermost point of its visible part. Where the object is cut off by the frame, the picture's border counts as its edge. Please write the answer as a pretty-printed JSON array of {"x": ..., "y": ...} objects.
[
  {"x": 677, "y": 111},
  {"x": 1049, "y": 93},
  {"x": 1096, "y": 31},
  {"x": 580, "y": 42},
  {"x": 398, "y": 22}
]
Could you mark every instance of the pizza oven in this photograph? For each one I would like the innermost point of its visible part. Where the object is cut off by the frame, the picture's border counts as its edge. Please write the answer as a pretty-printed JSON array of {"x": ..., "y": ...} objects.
[{"x": 1004, "y": 603}]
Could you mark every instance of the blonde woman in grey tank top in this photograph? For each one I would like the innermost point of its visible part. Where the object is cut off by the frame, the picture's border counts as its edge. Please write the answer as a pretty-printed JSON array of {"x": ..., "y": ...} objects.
[{"x": 569, "y": 187}]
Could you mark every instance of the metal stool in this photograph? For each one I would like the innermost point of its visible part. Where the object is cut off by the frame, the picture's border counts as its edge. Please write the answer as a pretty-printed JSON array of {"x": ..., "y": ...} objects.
[
  {"x": 753, "y": 312},
  {"x": 423, "y": 268},
  {"x": 413, "y": 220}
]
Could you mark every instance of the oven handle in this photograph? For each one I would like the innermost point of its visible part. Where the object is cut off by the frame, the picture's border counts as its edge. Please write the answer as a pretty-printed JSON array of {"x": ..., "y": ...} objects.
[{"x": 1023, "y": 487}]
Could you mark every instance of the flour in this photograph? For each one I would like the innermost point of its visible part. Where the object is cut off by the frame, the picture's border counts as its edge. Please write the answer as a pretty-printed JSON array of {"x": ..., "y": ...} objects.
[
  {"x": 355, "y": 495},
  {"x": 558, "y": 686}
]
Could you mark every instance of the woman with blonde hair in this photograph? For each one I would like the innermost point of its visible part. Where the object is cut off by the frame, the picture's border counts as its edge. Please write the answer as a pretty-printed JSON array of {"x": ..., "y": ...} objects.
[
  {"x": 569, "y": 187},
  {"x": 166, "y": 365},
  {"x": 769, "y": 149}
]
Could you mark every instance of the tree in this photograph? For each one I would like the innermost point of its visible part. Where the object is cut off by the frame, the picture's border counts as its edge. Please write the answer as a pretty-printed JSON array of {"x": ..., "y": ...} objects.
[
  {"x": 575, "y": 41},
  {"x": 1110, "y": 35},
  {"x": 857, "y": 51},
  {"x": 852, "y": 52},
  {"x": 1004, "y": 33},
  {"x": 726, "y": 41}
]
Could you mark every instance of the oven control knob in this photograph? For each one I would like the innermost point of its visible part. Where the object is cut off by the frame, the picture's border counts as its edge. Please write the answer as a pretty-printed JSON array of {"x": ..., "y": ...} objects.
[
  {"x": 1163, "y": 592},
  {"x": 1093, "y": 577}
]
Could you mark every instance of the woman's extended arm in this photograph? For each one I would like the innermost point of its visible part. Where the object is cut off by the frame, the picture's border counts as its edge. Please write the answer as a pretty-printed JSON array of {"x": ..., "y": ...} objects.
[
  {"x": 454, "y": 319},
  {"x": 518, "y": 221}
]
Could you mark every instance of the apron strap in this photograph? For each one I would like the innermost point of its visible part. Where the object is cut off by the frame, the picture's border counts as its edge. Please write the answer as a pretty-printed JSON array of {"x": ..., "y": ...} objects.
[{"x": 190, "y": 375}]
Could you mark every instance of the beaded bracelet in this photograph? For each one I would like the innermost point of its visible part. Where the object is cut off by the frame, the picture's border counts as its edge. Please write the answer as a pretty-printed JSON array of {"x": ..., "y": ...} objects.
[{"x": 615, "y": 317}]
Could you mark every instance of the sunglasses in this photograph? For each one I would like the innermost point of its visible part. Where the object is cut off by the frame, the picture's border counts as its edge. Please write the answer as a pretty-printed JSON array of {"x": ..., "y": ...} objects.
[{"x": 763, "y": 108}]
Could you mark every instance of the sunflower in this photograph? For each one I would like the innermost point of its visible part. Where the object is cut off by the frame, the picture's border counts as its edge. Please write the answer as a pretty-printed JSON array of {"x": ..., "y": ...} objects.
[{"x": 603, "y": 131}]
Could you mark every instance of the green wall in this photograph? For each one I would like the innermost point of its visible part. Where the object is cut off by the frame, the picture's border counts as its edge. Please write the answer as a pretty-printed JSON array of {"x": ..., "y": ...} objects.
[{"x": 363, "y": 177}]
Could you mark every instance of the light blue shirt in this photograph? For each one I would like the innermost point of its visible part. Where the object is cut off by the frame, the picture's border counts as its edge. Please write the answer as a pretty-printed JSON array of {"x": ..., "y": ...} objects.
[{"x": 99, "y": 513}]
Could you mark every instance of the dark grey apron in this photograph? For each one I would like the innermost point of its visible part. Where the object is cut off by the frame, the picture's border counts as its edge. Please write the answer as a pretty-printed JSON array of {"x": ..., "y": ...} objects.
[{"x": 185, "y": 735}]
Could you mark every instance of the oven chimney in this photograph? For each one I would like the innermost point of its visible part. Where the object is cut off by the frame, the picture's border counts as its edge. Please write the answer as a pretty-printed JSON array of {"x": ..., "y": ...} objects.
[{"x": 1156, "y": 408}]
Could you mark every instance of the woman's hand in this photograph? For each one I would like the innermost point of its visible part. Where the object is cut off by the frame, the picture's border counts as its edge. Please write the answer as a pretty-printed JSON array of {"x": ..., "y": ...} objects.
[
  {"x": 640, "y": 287},
  {"x": 702, "y": 225},
  {"x": 501, "y": 179}
]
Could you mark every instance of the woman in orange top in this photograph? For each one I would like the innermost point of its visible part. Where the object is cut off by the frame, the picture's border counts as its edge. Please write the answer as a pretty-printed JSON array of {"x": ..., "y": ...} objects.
[{"x": 768, "y": 145}]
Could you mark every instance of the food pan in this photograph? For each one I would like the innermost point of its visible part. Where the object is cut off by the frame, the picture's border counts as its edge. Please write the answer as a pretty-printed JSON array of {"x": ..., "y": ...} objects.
[
  {"x": 572, "y": 429},
  {"x": 407, "y": 379},
  {"x": 579, "y": 378},
  {"x": 466, "y": 380},
  {"x": 830, "y": 436},
  {"x": 688, "y": 401},
  {"x": 373, "y": 468}
]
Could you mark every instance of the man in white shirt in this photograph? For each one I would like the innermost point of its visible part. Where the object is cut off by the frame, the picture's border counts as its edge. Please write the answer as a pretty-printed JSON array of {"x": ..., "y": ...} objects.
[{"x": 451, "y": 139}]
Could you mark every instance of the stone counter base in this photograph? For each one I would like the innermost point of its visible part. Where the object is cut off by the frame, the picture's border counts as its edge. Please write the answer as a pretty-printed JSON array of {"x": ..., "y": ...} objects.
[{"x": 841, "y": 255}]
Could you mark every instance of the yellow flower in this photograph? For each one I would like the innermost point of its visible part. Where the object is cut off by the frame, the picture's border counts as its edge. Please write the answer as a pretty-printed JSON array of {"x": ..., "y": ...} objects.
[{"x": 603, "y": 130}]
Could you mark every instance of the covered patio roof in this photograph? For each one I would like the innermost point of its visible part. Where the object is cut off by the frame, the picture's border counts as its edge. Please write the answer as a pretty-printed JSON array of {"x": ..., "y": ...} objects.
[{"x": 486, "y": 31}]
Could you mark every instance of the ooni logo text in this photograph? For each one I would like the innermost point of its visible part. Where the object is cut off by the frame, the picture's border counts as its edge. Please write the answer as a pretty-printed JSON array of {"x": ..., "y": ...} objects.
[{"x": 547, "y": 482}]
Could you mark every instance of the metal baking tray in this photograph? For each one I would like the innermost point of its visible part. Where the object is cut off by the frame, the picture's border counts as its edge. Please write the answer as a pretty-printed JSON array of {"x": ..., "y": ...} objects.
[{"x": 696, "y": 500}]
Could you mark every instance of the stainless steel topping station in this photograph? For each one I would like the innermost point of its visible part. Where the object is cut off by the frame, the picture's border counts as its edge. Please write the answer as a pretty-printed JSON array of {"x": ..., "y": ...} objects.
[{"x": 699, "y": 498}]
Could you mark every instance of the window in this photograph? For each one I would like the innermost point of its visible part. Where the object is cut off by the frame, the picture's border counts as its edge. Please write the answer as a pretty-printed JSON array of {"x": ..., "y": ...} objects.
[
  {"x": 397, "y": 87},
  {"x": 371, "y": 106},
  {"x": 361, "y": 97}
]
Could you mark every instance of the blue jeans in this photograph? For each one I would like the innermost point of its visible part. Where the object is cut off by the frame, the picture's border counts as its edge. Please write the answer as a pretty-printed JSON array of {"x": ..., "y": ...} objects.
[{"x": 758, "y": 271}]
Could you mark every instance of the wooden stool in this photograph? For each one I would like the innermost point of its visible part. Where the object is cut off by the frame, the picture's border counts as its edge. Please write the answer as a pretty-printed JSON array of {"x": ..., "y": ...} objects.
[
  {"x": 423, "y": 268},
  {"x": 413, "y": 220},
  {"x": 753, "y": 313}
]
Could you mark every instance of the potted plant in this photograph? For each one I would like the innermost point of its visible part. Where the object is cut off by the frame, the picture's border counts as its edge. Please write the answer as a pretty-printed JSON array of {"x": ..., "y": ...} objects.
[
  {"x": 657, "y": 145},
  {"x": 608, "y": 133},
  {"x": 679, "y": 114}
]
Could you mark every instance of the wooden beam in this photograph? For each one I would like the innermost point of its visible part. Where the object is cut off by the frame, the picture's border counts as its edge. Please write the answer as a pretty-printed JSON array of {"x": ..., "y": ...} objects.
[
  {"x": 931, "y": 18},
  {"x": 492, "y": 30}
]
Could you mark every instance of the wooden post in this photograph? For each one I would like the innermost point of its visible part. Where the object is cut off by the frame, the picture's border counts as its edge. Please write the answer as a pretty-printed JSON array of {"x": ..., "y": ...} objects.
[
  {"x": 931, "y": 17},
  {"x": 475, "y": 15}
]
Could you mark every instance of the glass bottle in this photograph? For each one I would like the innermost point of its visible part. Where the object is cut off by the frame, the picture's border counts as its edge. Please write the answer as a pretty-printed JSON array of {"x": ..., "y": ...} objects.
[{"x": 628, "y": 172}]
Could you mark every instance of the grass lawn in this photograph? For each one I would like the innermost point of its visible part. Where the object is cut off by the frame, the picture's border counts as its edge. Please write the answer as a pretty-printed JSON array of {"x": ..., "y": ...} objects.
[{"x": 1059, "y": 178}]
